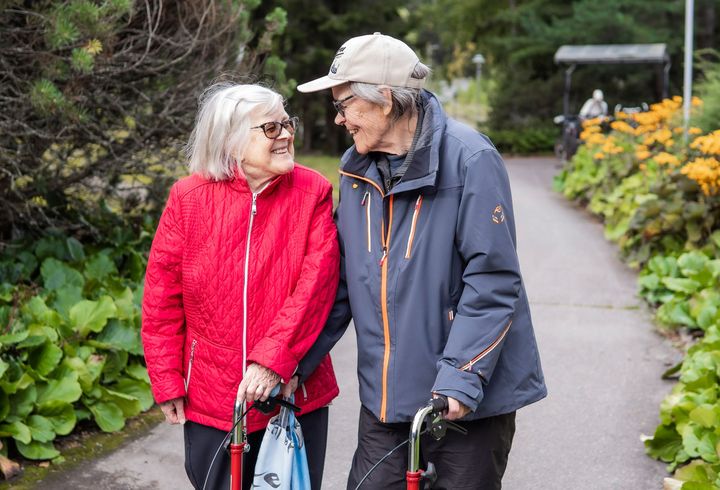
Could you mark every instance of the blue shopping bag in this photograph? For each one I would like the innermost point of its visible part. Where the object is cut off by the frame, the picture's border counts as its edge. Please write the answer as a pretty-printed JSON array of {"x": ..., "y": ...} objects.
[{"x": 282, "y": 460}]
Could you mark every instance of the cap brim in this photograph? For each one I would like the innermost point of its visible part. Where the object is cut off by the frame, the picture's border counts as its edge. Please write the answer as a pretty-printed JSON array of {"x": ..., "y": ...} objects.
[{"x": 318, "y": 84}]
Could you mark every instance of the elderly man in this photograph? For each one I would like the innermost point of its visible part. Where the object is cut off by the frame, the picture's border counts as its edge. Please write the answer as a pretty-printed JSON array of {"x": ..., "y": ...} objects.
[{"x": 429, "y": 273}]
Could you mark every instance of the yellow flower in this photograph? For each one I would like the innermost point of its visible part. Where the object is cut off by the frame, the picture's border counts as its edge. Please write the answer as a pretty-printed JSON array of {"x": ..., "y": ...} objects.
[
  {"x": 693, "y": 130},
  {"x": 706, "y": 172},
  {"x": 599, "y": 156},
  {"x": 708, "y": 144},
  {"x": 622, "y": 127},
  {"x": 595, "y": 139},
  {"x": 642, "y": 154},
  {"x": 664, "y": 158}
]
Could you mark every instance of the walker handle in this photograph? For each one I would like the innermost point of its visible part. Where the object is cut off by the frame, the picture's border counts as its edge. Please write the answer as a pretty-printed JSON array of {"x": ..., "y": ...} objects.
[{"x": 439, "y": 404}]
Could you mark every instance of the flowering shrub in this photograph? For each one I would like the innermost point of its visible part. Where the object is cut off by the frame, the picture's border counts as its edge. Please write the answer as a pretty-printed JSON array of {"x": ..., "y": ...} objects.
[{"x": 660, "y": 201}]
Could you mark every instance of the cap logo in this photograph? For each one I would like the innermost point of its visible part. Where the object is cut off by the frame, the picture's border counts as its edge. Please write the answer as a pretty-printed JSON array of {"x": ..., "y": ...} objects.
[{"x": 334, "y": 67}]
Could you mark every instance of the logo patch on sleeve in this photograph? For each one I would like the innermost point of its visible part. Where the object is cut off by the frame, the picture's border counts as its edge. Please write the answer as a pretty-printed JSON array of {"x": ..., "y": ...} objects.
[{"x": 497, "y": 215}]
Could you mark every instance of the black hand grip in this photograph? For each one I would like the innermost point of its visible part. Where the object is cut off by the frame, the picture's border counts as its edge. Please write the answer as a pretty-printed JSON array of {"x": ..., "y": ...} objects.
[
  {"x": 439, "y": 404},
  {"x": 269, "y": 405}
]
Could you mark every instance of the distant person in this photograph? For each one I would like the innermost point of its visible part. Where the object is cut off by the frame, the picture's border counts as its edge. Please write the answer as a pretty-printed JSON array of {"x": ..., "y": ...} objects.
[
  {"x": 242, "y": 274},
  {"x": 429, "y": 274},
  {"x": 595, "y": 106}
]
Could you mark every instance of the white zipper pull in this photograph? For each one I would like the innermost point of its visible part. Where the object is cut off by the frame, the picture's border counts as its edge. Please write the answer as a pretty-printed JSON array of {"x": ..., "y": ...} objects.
[
  {"x": 365, "y": 198},
  {"x": 384, "y": 256},
  {"x": 254, "y": 205}
]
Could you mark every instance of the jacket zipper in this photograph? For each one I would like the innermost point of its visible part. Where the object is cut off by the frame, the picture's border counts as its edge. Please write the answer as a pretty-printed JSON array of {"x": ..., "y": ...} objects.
[
  {"x": 384, "y": 307},
  {"x": 190, "y": 363},
  {"x": 246, "y": 274},
  {"x": 469, "y": 365},
  {"x": 416, "y": 213},
  {"x": 383, "y": 290},
  {"x": 366, "y": 201},
  {"x": 304, "y": 390}
]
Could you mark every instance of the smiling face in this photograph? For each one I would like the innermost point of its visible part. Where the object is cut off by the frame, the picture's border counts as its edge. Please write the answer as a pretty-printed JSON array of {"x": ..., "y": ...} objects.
[
  {"x": 367, "y": 123},
  {"x": 266, "y": 158}
]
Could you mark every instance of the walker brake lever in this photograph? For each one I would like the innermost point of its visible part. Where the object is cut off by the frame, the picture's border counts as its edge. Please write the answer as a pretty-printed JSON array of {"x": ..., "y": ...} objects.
[
  {"x": 269, "y": 405},
  {"x": 439, "y": 426}
]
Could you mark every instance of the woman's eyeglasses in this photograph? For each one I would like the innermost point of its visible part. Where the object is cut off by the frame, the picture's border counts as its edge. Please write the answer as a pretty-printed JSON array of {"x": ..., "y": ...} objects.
[
  {"x": 338, "y": 105},
  {"x": 273, "y": 129}
]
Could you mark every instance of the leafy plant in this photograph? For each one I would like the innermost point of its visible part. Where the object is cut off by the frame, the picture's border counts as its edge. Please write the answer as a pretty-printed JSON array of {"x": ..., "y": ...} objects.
[{"x": 70, "y": 346}]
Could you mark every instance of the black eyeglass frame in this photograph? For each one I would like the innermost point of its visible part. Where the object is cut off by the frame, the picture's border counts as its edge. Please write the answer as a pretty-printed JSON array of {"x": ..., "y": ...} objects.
[
  {"x": 289, "y": 124},
  {"x": 338, "y": 104}
]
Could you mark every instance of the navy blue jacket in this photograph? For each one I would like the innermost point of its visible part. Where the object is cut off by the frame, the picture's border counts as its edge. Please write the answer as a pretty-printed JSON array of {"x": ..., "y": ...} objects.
[{"x": 430, "y": 276}]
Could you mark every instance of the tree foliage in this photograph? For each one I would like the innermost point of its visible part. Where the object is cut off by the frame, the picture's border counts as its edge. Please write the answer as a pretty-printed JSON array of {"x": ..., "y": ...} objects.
[
  {"x": 308, "y": 45},
  {"x": 96, "y": 98},
  {"x": 519, "y": 38}
]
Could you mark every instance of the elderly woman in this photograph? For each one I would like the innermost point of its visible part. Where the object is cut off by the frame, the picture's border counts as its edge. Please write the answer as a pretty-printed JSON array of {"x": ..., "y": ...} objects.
[
  {"x": 429, "y": 274},
  {"x": 241, "y": 277}
]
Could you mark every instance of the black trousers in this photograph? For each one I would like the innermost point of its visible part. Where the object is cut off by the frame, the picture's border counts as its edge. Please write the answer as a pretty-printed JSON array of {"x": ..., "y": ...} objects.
[
  {"x": 474, "y": 461},
  {"x": 202, "y": 441}
]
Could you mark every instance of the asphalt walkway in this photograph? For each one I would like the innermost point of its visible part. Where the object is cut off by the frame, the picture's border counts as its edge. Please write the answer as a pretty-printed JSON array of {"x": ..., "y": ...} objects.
[{"x": 601, "y": 356}]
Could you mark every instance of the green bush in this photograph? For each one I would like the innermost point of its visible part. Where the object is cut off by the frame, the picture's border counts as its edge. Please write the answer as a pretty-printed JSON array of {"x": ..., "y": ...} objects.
[
  {"x": 708, "y": 89},
  {"x": 70, "y": 346},
  {"x": 525, "y": 140}
]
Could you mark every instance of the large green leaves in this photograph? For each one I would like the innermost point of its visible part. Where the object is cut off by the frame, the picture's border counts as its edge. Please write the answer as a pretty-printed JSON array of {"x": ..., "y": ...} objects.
[
  {"x": 38, "y": 450},
  {"x": 91, "y": 316},
  {"x": 57, "y": 275},
  {"x": 45, "y": 358},
  {"x": 72, "y": 350},
  {"x": 66, "y": 389},
  {"x": 60, "y": 415},
  {"x": 108, "y": 416}
]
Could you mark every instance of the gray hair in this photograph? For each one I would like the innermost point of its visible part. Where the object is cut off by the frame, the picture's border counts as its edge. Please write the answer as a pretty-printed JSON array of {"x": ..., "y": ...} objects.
[
  {"x": 404, "y": 99},
  {"x": 222, "y": 126}
]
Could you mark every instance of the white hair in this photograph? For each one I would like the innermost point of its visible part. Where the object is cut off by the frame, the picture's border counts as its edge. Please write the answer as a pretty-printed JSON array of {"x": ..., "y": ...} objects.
[
  {"x": 404, "y": 99},
  {"x": 222, "y": 126}
]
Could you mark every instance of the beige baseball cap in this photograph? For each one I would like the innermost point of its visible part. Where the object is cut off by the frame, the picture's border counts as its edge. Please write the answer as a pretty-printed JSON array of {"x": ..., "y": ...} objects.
[{"x": 373, "y": 58}]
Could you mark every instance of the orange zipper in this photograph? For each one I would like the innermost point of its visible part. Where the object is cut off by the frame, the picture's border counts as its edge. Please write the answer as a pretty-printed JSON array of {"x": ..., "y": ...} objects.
[
  {"x": 469, "y": 365},
  {"x": 416, "y": 213},
  {"x": 383, "y": 289},
  {"x": 383, "y": 303}
]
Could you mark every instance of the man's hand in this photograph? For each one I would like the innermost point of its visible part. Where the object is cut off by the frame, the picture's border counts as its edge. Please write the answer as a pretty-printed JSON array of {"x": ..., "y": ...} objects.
[
  {"x": 257, "y": 383},
  {"x": 289, "y": 388},
  {"x": 174, "y": 411},
  {"x": 456, "y": 410}
]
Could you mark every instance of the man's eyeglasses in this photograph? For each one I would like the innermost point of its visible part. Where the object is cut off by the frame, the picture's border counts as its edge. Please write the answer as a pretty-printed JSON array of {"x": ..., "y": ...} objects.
[
  {"x": 338, "y": 105},
  {"x": 273, "y": 129}
]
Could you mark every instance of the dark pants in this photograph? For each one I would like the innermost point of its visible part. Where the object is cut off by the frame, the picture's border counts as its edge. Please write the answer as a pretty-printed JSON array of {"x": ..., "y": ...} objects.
[
  {"x": 474, "y": 461},
  {"x": 202, "y": 441}
]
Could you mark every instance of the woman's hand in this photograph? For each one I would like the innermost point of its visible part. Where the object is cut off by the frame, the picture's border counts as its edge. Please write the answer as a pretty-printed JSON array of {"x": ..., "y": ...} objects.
[
  {"x": 288, "y": 389},
  {"x": 174, "y": 411},
  {"x": 257, "y": 383}
]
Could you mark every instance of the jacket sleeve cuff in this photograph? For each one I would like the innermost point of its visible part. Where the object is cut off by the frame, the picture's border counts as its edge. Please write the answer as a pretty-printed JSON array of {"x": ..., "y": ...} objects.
[
  {"x": 276, "y": 356},
  {"x": 169, "y": 390},
  {"x": 465, "y": 387}
]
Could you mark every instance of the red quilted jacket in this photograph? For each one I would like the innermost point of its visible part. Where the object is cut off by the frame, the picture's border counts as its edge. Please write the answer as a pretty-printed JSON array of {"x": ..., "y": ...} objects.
[{"x": 217, "y": 245}]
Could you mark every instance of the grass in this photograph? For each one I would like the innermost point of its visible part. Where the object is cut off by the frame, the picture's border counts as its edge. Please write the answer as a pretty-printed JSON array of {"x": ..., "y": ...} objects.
[{"x": 325, "y": 164}]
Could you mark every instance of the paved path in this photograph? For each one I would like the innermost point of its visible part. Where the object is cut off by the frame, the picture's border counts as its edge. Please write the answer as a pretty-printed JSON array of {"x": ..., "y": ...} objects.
[{"x": 601, "y": 357}]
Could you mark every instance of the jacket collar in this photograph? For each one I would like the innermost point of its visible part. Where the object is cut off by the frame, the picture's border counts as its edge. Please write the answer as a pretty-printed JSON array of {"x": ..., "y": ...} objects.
[
  {"x": 423, "y": 171},
  {"x": 239, "y": 183}
]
